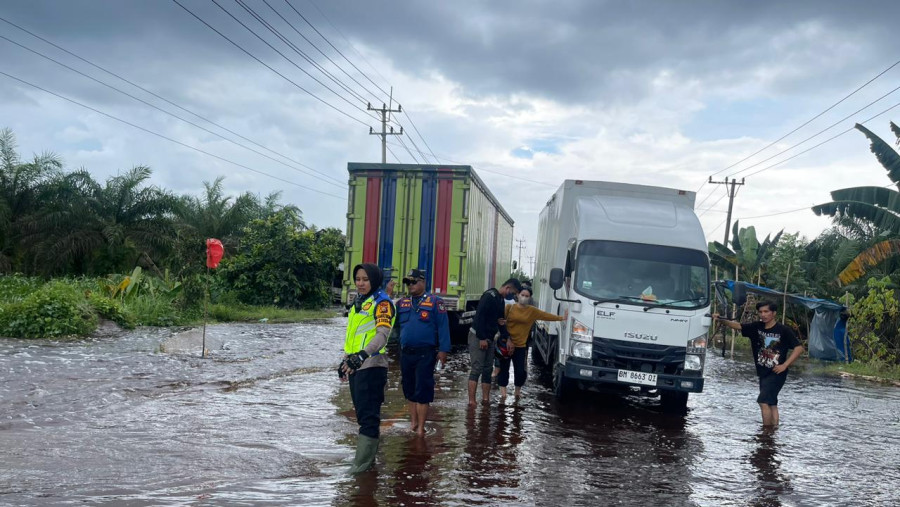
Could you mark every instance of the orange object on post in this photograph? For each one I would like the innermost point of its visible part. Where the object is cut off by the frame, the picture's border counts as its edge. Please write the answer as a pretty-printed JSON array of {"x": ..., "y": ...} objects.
[{"x": 214, "y": 252}]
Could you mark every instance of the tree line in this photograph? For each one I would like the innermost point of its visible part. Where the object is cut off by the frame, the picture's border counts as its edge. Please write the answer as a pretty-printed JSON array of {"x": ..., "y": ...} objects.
[
  {"x": 58, "y": 223},
  {"x": 855, "y": 262}
]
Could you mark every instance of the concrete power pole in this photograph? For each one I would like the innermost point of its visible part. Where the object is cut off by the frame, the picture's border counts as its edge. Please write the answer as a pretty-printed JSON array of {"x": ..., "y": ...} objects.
[
  {"x": 531, "y": 261},
  {"x": 521, "y": 246},
  {"x": 731, "y": 193},
  {"x": 384, "y": 112}
]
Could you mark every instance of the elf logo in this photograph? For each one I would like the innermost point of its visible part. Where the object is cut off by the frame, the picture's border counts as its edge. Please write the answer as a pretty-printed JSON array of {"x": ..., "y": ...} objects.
[{"x": 641, "y": 336}]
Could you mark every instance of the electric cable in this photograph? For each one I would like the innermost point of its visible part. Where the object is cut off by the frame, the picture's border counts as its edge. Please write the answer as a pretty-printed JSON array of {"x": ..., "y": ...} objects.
[{"x": 168, "y": 138}]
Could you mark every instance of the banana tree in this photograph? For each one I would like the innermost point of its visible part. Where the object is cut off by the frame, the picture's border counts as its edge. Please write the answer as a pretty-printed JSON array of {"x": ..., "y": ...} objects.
[
  {"x": 746, "y": 254},
  {"x": 870, "y": 214}
]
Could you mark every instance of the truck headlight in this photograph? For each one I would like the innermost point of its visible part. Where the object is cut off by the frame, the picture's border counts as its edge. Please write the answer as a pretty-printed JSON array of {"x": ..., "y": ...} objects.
[
  {"x": 695, "y": 353},
  {"x": 692, "y": 362},
  {"x": 581, "y": 332},
  {"x": 697, "y": 345},
  {"x": 583, "y": 350}
]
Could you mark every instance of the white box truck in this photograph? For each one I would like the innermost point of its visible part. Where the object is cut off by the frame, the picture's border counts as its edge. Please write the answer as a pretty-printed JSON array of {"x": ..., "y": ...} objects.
[{"x": 629, "y": 265}]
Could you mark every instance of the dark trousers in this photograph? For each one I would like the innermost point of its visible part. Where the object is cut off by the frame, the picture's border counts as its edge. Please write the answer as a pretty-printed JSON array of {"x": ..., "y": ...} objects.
[
  {"x": 518, "y": 362},
  {"x": 367, "y": 393},
  {"x": 417, "y": 373}
]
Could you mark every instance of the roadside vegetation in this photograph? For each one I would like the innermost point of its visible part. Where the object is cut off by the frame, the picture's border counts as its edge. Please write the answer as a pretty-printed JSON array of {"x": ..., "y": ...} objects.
[
  {"x": 855, "y": 263},
  {"x": 74, "y": 250}
]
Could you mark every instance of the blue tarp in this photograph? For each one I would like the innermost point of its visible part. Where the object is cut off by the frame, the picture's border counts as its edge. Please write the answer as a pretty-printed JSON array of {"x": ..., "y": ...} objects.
[{"x": 826, "y": 329}]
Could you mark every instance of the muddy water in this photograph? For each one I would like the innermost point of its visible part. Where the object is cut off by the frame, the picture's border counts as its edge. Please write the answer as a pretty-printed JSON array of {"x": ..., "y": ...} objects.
[{"x": 135, "y": 420}]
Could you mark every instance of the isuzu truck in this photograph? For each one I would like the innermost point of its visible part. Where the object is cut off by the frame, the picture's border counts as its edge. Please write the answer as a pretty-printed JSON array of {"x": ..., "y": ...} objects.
[{"x": 629, "y": 266}]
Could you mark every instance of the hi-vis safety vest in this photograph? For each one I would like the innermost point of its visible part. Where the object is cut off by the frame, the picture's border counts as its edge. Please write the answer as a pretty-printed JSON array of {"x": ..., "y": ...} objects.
[{"x": 361, "y": 325}]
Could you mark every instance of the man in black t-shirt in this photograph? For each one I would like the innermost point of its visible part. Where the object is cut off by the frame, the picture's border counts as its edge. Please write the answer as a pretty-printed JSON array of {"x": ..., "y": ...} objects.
[
  {"x": 772, "y": 343},
  {"x": 487, "y": 323}
]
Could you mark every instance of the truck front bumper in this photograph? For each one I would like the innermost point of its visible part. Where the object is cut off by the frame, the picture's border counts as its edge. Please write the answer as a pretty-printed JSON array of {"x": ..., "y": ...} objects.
[{"x": 589, "y": 374}]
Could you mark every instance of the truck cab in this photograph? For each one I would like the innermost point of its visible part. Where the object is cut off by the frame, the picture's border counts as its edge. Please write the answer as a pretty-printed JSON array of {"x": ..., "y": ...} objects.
[{"x": 629, "y": 266}]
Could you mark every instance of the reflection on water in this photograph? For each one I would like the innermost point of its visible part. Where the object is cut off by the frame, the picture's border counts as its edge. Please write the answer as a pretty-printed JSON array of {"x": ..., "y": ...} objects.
[
  {"x": 772, "y": 485},
  {"x": 265, "y": 421}
]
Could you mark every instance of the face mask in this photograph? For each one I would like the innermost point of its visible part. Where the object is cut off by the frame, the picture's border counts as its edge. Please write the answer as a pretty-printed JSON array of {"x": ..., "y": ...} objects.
[{"x": 524, "y": 300}]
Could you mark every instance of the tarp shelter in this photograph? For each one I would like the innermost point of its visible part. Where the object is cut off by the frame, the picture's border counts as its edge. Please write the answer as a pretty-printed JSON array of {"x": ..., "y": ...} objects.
[{"x": 826, "y": 329}]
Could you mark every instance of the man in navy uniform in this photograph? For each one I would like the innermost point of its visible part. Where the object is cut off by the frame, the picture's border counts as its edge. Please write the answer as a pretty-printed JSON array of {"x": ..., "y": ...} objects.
[{"x": 424, "y": 339}]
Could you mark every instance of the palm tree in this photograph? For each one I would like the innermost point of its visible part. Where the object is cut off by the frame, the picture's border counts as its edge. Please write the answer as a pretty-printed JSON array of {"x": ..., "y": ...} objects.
[
  {"x": 20, "y": 184},
  {"x": 870, "y": 215},
  {"x": 89, "y": 228}
]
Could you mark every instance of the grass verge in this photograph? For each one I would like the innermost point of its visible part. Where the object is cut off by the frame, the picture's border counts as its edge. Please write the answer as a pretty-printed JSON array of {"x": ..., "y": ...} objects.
[
  {"x": 879, "y": 372},
  {"x": 236, "y": 312}
]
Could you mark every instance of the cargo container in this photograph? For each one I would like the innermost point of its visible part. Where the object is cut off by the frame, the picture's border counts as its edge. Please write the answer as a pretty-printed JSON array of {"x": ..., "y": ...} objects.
[{"x": 438, "y": 218}]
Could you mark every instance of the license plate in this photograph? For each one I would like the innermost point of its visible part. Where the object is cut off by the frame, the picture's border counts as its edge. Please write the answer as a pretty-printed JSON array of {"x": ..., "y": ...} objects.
[{"x": 637, "y": 377}]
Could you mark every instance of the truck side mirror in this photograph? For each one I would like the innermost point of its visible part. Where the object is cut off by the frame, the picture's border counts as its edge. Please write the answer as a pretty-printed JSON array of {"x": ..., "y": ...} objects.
[
  {"x": 515, "y": 265},
  {"x": 740, "y": 293},
  {"x": 556, "y": 278}
]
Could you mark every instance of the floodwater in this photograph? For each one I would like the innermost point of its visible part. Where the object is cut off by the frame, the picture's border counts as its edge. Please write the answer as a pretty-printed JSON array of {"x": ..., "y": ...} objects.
[{"x": 140, "y": 419}]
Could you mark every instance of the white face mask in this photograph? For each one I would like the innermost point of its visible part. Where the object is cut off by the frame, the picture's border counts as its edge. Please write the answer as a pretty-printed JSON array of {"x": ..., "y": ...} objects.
[{"x": 524, "y": 300}]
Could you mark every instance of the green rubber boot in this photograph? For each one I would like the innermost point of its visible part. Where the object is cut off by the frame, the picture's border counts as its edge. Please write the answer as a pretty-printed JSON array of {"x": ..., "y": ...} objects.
[{"x": 366, "y": 448}]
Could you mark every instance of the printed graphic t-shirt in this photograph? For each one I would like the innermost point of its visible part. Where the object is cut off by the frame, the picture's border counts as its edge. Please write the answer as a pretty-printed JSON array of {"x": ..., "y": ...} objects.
[{"x": 770, "y": 346}]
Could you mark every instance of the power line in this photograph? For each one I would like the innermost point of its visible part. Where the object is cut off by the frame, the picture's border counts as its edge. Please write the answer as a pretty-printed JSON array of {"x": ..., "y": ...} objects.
[
  {"x": 823, "y": 142},
  {"x": 870, "y": 104},
  {"x": 806, "y": 123},
  {"x": 167, "y": 112},
  {"x": 420, "y": 136},
  {"x": 390, "y": 95},
  {"x": 297, "y": 50},
  {"x": 386, "y": 94},
  {"x": 166, "y": 137},
  {"x": 145, "y": 90},
  {"x": 313, "y": 95},
  {"x": 301, "y": 69},
  {"x": 713, "y": 205},
  {"x": 311, "y": 43}
]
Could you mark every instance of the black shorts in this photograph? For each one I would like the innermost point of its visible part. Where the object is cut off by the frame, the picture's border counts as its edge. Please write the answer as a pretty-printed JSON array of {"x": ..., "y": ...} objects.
[
  {"x": 769, "y": 387},
  {"x": 417, "y": 373}
]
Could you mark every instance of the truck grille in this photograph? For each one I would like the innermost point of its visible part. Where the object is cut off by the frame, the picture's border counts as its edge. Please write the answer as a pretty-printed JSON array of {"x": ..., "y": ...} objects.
[{"x": 637, "y": 356}]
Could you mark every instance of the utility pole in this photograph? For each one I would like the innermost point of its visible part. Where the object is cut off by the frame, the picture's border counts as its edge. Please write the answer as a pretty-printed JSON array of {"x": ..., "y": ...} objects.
[
  {"x": 384, "y": 112},
  {"x": 731, "y": 193},
  {"x": 531, "y": 261},
  {"x": 521, "y": 246}
]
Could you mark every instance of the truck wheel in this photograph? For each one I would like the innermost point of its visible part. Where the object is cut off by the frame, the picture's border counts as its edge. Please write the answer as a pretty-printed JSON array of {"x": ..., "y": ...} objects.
[
  {"x": 562, "y": 386},
  {"x": 537, "y": 358},
  {"x": 674, "y": 402}
]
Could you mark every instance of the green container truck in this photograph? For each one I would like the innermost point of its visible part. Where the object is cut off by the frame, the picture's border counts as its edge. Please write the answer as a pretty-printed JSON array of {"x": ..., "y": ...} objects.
[{"x": 437, "y": 218}]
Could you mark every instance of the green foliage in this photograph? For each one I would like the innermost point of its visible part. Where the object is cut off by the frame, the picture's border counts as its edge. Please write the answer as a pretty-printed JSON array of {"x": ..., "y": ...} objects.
[
  {"x": 55, "y": 309},
  {"x": 272, "y": 314},
  {"x": 788, "y": 264},
  {"x": 283, "y": 263},
  {"x": 111, "y": 309},
  {"x": 14, "y": 288},
  {"x": 746, "y": 253},
  {"x": 875, "y": 322}
]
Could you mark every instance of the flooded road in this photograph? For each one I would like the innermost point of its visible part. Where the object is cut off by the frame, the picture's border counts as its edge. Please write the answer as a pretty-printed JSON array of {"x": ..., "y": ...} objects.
[{"x": 137, "y": 420}]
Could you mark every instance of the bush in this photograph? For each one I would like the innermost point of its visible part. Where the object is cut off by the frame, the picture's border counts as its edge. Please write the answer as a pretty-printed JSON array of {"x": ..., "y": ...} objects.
[
  {"x": 14, "y": 288},
  {"x": 111, "y": 309},
  {"x": 54, "y": 310},
  {"x": 153, "y": 311},
  {"x": 874, "y": 324}
]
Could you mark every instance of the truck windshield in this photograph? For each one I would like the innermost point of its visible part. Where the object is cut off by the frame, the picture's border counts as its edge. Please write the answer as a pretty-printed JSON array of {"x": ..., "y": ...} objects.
[{"x": 644, "y": 274}]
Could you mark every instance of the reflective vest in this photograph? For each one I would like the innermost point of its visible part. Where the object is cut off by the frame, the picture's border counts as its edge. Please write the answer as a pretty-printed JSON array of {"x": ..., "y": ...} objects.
[{"x": 361, "y": 325}]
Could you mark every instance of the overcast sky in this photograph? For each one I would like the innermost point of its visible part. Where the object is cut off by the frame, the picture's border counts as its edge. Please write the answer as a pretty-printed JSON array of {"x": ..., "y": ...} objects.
[{"x": 529, "y": 93}]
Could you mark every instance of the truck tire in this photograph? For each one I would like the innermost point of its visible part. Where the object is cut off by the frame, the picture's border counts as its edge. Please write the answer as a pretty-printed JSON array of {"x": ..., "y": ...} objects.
[
  {"x": 674, "y": 402},
  {"x": 562, "y": 386}
]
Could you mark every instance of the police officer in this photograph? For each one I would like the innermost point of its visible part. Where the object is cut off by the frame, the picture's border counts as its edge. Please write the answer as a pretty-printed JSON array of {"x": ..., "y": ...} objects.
[
  {"x": 368, "y": 328},
  {"x": 424, "y": 339}
]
